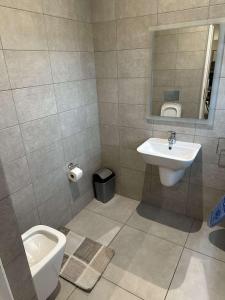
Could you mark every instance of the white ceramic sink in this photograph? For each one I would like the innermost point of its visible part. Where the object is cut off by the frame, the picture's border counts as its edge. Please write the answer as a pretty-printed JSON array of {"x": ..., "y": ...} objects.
[{"x": 172, "y": 163}]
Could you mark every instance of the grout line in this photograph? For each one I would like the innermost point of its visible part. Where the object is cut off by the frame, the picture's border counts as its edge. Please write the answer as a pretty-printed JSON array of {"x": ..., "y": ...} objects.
[
  {"x": 176, "y": 266},
  {"x": 47, "y": 84},
  {"x": 23, "y": 10},
  {"x": 122, "y": 288},
  {"x": 181, "y": 10},
  {"x": 156, "y": 13},
  {"x": 204, "y": 254},
  {"x": 42, "y": 13},
  {"x": 48, "y": 50},
  {"x": 66, "y": 18}
]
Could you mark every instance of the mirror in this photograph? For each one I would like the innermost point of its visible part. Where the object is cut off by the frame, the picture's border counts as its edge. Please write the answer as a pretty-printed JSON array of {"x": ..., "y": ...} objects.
[{"x": 183, "y": 69}]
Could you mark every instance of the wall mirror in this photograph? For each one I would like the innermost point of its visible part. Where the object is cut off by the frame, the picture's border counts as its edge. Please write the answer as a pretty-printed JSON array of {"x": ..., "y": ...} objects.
[{"x": 186, "y": 65}]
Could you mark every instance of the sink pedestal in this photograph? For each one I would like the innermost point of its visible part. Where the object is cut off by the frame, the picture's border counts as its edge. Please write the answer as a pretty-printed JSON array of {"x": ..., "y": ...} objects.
[{"x": 169, "y": 177}]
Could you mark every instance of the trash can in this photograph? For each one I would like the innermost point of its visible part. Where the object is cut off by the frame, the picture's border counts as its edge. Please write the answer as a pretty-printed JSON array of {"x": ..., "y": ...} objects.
[{"x": 104, "y": 181}]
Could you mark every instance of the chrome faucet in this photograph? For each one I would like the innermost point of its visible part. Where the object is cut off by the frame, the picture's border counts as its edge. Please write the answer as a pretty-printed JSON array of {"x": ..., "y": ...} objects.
[{"x": 171, "y": 139}]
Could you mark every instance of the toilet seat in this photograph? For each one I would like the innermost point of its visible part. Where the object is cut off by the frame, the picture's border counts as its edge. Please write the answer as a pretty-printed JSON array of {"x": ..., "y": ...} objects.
[{"x": 171, "y": 109}]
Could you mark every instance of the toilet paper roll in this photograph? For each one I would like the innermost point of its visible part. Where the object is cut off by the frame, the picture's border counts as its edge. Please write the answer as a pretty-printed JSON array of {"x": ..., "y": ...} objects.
[{"x": 75, "y": 174}]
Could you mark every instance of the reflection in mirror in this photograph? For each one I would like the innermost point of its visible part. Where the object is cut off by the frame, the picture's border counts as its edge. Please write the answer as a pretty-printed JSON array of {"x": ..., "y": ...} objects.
[{"x": 183, "y": 69}]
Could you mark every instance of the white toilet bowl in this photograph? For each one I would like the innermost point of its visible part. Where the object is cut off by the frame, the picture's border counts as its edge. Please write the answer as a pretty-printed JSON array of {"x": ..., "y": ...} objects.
[
  {"x": 44, "y": 247},
  {"x": 171, "y": 109}
]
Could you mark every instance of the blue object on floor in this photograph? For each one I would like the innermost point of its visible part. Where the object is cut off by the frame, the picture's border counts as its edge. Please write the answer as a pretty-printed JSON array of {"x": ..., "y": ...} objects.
[{"x": 218, "y": 213}]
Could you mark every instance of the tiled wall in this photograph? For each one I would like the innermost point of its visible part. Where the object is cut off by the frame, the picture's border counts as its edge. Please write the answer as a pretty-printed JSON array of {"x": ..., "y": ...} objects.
[
  {"x": 121, "y": 40},
  {"x": 48, "y": 108},
  {"x": 178, "y": 63},
  {"x": 48, "y": 118}
]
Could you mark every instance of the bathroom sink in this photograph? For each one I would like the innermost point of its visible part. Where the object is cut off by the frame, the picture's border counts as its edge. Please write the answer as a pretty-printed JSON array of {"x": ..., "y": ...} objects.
[{"x": 172, "y": 162}]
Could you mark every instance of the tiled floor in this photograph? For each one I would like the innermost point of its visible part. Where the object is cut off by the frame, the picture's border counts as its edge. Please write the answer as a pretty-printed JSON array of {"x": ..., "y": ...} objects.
[{"x": 158, "y": 254}]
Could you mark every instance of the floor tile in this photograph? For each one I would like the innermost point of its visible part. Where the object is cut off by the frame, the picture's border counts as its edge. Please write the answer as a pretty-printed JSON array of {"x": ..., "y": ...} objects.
[
  {"x": 63, "y": 291},
  {"x": 119, "y": 208},
  {"x": 93, "y": 204},
  {"x": 104, "y": 290},
  {"x": 94, "y": 226},
  {"x": 143, "y": 264},
  {"x": 162, "y": 223},
  {"x": 209, "y": 241},
  {"x": 198, "y": 277}
]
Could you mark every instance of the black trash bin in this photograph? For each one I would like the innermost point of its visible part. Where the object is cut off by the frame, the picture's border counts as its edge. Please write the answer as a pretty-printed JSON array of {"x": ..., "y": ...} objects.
[{"x": 104, "y": 181}]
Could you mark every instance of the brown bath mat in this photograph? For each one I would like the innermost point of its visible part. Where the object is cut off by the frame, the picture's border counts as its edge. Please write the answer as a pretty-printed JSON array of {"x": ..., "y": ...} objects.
[{"x": 84, "y": 260}]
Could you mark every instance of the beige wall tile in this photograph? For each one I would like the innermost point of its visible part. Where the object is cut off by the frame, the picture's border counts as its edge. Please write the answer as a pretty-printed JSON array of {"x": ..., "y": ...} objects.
[
  {"x": 111, "y": 158},
  {"x": 103, "y": 10},
  {"x": 186, "y": 78},
  {"x": 134, "y": 63},
  {"x": 166, "y": 43},
  {"x": 173, "y": 5},
  {"x": 22, "y": 30},
  {"x": 66, "y": 66},
  {"x": 85, "y": 35},
  {"x": 183, "y": 16},
  {"x": 179, "y": 128},
  {"x": 4, "y": 80},
  {"x": 87, "y": 64},
  {"x": 131, "y": 183},
  {"x": 133, "y": 8},
  {"x": 133, "y": 116},
  {"x": 62, "y": 34},
  {"x": 34, "y": 103},
  {"x": 104, "y": 36},
  {"x": 61, "y": 8},
  {"x": 107, "y": 90},
  {"x": 110, "y": 135},
  {"x": 211, "y": 2},
  {"x": 165, "y": 61},
  {"x": 83, "y": 10},
  {"x": 131, "y": 159},
  {"x": 190, "y": 60},
  {"x": 131, "y": 138},
  {"x": 198, "y": 41},
  {"x": 106, "y": 64},
  {"x": 23, "y": 4},
  {"x": 208, "y": 152},
  {"x": 134, "y": 90},
  {"x": 217, "y": 11},
  {"x": 28, "y": 68},
  {"x": 134, "y": 33},
  {"x": 108, "y": 113},
  {"x": 164, "y": 77},
  {"x": 8, "y": 116}
]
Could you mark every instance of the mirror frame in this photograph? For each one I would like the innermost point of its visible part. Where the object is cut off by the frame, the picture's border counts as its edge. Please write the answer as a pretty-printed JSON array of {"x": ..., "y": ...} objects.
[{"x": 216, "y": 79}]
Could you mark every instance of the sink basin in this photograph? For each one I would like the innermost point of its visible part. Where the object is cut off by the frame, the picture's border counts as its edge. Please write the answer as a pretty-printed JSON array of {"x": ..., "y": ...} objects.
[{"x": 172, "y": 163}]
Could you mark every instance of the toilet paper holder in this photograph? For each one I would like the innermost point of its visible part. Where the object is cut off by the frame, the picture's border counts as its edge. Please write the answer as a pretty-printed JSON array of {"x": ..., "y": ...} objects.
[{"x": 71, "y": 166}]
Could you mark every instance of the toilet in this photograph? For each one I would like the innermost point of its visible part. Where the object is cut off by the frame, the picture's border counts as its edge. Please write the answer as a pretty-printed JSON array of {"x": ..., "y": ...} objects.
[
  {"x": 44, "y": 247},
  {"x": 171, "y": 109}
]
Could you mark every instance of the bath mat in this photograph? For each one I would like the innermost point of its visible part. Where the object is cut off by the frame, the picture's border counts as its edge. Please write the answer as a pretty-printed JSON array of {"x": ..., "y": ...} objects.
[
  {"x": 218, "y": 213},
  {"x": 84, "y": 260}
]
